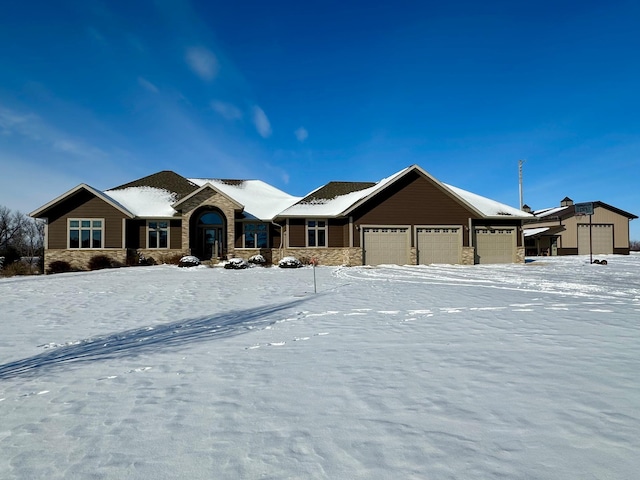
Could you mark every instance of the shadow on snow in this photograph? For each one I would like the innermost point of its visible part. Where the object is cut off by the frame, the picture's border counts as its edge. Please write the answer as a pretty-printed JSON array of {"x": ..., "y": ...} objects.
[{"x": 149, "y": 339}]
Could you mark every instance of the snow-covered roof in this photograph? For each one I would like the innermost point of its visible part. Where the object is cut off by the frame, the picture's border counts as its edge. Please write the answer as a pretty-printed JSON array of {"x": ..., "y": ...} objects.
[
  {"x": 545, "y": 212},
  {"x": 260, "y": 200},
  {"x": 486, "y": 206},
  {"x": 145, "y": 201},
  {"x": 312, "y": 206},
  {"x": 530, "y": 232}
]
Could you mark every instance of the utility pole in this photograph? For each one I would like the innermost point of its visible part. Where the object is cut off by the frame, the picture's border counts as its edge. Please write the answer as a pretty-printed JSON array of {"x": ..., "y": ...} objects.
[{"x": 520, "y": 163}]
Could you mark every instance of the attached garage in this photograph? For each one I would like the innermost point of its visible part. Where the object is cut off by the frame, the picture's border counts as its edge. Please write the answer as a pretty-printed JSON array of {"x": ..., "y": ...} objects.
[
  {"x": 495, "y": 245},
  {"x": 439, "y": 245},
  {"x": 386, "y": 245},
  {"x": 601, "y": 239}
]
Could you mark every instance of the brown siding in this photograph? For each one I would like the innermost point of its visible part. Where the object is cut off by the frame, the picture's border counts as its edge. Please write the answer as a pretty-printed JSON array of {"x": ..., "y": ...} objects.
[
  {"x": 413, "y": 200},
  {"x": 175, "y": 234},
  {"x": 84, "y": 204},
  {"x": 338, "y": 233},
  {"x": 297, "y": 233}
]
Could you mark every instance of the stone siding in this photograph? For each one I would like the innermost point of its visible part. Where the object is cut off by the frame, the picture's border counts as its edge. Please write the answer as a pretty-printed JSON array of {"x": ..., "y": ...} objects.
[
  {"x": 79, "y": 259},
  {"x": 161, "y": 256},
  {"x": 468, "y": 255},
  {"x": 213, "y": 199},
  {"x": 325, "y": 256},
  {"x": 520, "y": 254}
]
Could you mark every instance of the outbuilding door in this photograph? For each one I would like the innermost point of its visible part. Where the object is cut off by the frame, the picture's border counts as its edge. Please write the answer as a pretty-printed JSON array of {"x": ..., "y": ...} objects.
[
  {"x": 439, "y": 245},
  {"x": 386, "y": 245},
  {"x": 495, "y": 245},
  {"x": 601, "y": 239}
]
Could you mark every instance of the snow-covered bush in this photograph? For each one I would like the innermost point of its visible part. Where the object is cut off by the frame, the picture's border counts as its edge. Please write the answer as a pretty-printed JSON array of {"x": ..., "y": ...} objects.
[
  {"x": 257, "y": 260},
  {"x": 236, "y": 264},
  {"x": 189, "y": 261},
  {"x": 289, "y": 262}
]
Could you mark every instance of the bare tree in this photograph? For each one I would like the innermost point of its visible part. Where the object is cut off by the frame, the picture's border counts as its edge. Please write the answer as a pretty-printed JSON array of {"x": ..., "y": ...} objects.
[{"x": 20, "y": 236}]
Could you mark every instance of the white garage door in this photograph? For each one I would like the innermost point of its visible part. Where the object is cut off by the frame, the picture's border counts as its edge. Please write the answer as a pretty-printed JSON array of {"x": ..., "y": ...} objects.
[
  {"x": 495, "y": 245},
  {"x": 439, "y": 245},
  {"x": 386, "y": 245},
  {"x": 601, "y": 239}
]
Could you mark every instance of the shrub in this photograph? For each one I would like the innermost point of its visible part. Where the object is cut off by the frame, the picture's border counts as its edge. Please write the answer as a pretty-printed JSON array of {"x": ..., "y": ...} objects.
[
  {"x": 236, "y": 264},
  {"x": 16, "y": 268},
  {"x": 257, "y": 260},
  {"x": 189, "y": 261},
  {"x": 99, "y": 262},
  {"x": 289, "y": 262},
  {"x": 59, "y": 266}
]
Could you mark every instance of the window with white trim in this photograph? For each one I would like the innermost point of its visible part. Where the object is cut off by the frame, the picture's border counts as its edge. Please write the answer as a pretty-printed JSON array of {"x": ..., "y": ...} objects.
[
  {"x": 316, "y": 233},
  {"x": 157, "y": 234},
  {"x": 86, "y": 232},
  {"x": 255, "y": 235}
]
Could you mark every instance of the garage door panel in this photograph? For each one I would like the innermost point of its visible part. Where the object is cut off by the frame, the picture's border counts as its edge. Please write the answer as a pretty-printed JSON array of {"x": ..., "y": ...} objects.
[
  {"x": 495, "y": 245},
  {"x": 386, "y": 245},
  {"x": 439, "y": 245},
  {"x": 601, "y": 239}
]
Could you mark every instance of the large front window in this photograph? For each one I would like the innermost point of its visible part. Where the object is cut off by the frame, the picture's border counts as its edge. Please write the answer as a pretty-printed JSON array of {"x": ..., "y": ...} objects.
[
  {"x": 255, "y": 235},
  {"x": 158, "y": 234},
  {"x": 86, "y": 232},
  {"x": 316, "y": 233}
]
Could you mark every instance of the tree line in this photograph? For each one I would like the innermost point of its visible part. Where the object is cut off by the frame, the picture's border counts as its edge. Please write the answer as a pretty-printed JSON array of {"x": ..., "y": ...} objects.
[{"x": 21, "y": 243}]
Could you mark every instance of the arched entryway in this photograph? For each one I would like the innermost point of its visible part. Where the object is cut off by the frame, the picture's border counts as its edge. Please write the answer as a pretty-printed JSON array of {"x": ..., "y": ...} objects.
[{"x": 210, "y": 231}]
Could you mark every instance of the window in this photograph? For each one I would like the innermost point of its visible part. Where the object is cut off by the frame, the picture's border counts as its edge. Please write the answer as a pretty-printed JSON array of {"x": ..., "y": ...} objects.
[
  {"x": 158, "y": 234},
  {"x": 255, "y": 235},
  {"x": 316, "y": 233},
  {"x": 85, "y": 232}
]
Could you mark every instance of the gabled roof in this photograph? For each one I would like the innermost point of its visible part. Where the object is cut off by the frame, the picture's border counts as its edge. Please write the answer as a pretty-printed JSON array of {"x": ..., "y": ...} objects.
[
  {"x": 40, "y": 212},
  {"x": 259, "y": 199},
  {"x": 164, "y": 180},
  {"x": 570, "y": 210},
  {"x": 340, "y": 198}
]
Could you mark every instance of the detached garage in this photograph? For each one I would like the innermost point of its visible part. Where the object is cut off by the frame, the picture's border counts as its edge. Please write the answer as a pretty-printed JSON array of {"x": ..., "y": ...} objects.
[{"x": 386, "y": 245}]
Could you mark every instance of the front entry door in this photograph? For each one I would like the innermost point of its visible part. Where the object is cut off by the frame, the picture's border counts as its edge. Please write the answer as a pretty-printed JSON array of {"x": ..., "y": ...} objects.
[{"x": 211, "y": 242}]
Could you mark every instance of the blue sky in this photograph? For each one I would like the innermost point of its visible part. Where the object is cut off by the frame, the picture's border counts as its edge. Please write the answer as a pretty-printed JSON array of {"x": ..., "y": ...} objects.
[{"x": 301, "y": 93}]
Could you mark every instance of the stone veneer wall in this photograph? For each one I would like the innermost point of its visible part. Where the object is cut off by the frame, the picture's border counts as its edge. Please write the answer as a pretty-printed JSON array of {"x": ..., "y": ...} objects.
[
  {"x": 325, "y": 256},
  {"x": 468, "y": 255},
  {"x": 79, "y": 259},
  {"x": 161, "y": 255},
  {"x": 520, "y": 254},
  {"x": 209, "y": 198}
]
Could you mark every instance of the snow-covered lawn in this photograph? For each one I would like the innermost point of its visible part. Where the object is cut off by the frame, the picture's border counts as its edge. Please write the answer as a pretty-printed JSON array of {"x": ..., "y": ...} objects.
[{"x": 442, "y": 372}]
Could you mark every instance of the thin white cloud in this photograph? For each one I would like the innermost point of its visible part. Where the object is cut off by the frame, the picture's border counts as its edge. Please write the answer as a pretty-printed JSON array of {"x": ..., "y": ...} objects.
[
  {"x": 31, "y": 126},
  {"x": 261, "y": 122},
  {"x": 301, "y": 134},
  {"x": 227, "y": 110},
  {"x": 202, "y": 62},
  {"x": 147, "y": 85}
]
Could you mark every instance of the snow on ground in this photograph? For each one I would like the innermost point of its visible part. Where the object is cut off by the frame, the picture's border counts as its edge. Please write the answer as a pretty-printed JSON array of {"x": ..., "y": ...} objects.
[{"x": 440, "y": 372}]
